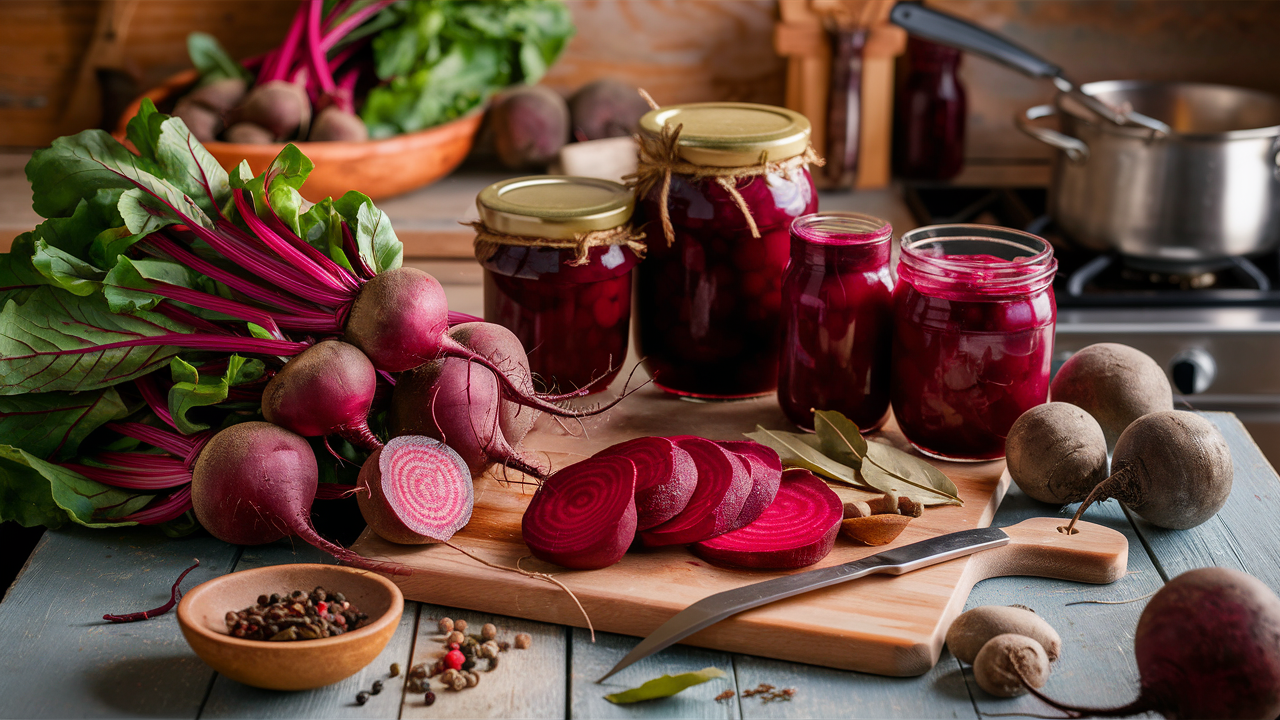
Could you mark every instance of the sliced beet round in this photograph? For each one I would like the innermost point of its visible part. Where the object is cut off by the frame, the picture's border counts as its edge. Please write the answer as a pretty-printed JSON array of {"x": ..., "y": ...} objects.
[
  {"x": 665, "y": 477},
  {"x": 766, "y": 474},
  {"x": 799, "y": 528},
  {"x": 584, "y": 516},
  {"x": 415, "y": 490},
  {"x": 724, "y": 482}
]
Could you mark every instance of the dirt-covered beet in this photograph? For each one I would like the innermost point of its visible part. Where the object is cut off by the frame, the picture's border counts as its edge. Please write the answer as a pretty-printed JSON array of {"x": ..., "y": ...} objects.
[
  {"x": 973, "y": 628},
  {"x": 1172, "y": 468},
  {"x": 584, "y": 516},
  {"x": 1056, "y": 453},
  {"x": 1007, "y": 664},
  {"x": 415, "y": 491},
  {"x": 1114, "y": 383},
  {"x": 606, "y": 108},
  {"x": 326, "y": 389},
  {"x": 1207, "y": 646},
  {"x": 530, "y": 124},
  {"x": 666, "y": 477}
]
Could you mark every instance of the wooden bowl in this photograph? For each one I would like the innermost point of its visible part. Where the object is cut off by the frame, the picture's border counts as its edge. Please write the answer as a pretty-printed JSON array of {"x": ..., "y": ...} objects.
[
  {"x": 296, "y": 665},
  {"x": 377, "y": 168}
]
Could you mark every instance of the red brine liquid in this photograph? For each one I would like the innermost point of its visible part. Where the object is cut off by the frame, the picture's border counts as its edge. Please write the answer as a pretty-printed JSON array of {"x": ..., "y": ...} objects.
[
  {"x": 837, "y": 306},
  {"x": 973, "y": 332},
  {"x": 573, "y": 320},
  {"x": 708, "y": 305}
]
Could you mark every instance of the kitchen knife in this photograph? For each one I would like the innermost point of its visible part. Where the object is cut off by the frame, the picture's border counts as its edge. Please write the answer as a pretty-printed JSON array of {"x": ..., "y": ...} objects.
[{"x": 711, "y": 610}]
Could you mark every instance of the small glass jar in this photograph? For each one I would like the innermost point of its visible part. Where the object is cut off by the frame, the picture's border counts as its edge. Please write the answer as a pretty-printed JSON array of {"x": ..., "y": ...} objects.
[
  {"x": 973, "y": 330},
  {"x": 708, "y": 297},
  {"x": 569, "y": 304},
  {"x": 837, "y": 309},
  {"x": 931, "y": 113}
]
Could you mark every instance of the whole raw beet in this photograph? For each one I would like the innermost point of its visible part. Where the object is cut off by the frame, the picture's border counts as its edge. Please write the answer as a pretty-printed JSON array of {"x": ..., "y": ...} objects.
[
  {"x": 606, "y": 108},
  {"x": 530, "y": 125}
]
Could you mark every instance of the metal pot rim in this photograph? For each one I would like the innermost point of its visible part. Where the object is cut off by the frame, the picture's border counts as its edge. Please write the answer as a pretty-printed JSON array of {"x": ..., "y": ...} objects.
[{"x": 1102, "y": 86}]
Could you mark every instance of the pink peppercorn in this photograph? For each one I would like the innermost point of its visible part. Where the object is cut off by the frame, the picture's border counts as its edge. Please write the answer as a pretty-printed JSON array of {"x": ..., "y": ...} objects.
[{"x": 454, "y": 659}]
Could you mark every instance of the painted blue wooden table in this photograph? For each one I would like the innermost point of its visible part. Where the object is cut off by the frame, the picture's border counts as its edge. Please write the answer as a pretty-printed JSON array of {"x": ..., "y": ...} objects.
[{"x": 61, "y": 660}]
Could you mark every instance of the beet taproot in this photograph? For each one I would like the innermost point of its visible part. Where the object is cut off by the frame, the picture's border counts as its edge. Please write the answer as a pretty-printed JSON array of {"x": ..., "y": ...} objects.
[
  {"x": 1114, "y": 383},
  {"x": 530, "y": 124},
  {"x": 606, "y": 108},
  {"x": 1056, "y": 453},
  {"x": 327, "y": 389}
]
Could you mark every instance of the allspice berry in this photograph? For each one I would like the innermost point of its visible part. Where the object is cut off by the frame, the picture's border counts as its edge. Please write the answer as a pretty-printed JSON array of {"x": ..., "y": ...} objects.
[
  {"x": 460, "y": 625},
  {"x": 446, "y": 626},
  {"x": 455, "y": 637},
  {"x": 488, "y": 632},
  {"x": 523, "y": 641}
]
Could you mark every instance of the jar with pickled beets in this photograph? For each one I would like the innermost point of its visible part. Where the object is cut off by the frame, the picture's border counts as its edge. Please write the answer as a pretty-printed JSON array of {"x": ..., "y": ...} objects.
[
  {"x": 557, "y": 253},
  {"x": 973, "y": 336},
  {"x": 837, "y": 320},
  {"x": 718, "y": 186}
]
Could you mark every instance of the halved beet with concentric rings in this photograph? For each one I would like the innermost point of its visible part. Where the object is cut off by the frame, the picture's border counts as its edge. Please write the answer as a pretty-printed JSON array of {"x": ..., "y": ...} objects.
[
  {"x": 665, "y": 477},
  {"x": 724, "y": 482},
  {"x": 415, "y": 490},
  {"x": 584, "y": 516},
  {"x": 799, "y": 528},
  {"x": 766, "y": 474}
]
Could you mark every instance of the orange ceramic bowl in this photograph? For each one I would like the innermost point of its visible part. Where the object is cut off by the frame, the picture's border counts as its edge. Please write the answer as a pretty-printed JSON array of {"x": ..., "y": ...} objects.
[
  {"x": 301, "y": 664},
  {"x": 377, "y": 168}
]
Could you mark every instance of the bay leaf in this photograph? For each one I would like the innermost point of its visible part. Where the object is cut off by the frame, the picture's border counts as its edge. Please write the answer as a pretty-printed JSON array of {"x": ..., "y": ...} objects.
[
  {"x": 838, "y": 438},
  {"x": 795, "y": 450},
  {"x": 887, "y": 468},
  {"x": 665, "y": 686}
]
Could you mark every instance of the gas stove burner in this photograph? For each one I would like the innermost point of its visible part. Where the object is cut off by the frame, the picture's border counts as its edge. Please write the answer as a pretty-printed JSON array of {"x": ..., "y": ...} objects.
[
  {"x": 1168, "y": 281},
  {"x": 1177, "y": 273}
]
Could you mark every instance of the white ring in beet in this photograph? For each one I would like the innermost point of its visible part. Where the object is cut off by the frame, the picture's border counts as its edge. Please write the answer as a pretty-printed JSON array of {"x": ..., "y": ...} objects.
[{"x": 415, "y": 490}]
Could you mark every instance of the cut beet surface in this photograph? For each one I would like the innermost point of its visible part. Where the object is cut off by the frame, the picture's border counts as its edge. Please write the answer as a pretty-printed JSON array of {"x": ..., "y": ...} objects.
[
  {"x": 766, "y": 474},
  {"x": 799, "y": 528},
  {"x": 665, "y": 477},
  {"x": 723, "y": 486},
  {"x": 584, "y": 517},
  {"x": 417, "y": 491}
]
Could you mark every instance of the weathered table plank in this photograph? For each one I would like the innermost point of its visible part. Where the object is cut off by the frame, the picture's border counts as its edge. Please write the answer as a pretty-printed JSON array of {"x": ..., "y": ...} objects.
[
  {"x": 61, "y": 659},
  {"x": 590, "y": 660}
]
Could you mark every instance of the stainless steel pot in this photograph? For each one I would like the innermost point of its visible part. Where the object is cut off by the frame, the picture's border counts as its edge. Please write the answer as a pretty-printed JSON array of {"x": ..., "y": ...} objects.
[
  {"x": 1207, "y": 191},
  {"x": 1174, "y": 174}
]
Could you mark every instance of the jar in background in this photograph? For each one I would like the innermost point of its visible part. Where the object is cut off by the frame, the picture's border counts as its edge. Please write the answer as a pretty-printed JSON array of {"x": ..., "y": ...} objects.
[
  {"x": 837, "y": 319},
  {"x": 931, "y": 113},
  {"x": 973, "y": 330},
  {"x": 557, "y": 253},
  {"x": 718, "y": 186}
]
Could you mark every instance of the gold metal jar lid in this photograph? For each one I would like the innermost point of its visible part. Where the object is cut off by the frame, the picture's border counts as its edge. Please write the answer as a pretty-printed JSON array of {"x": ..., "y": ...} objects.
[
  {"x": 559, "y": 207},
  {"x": 729, "y": 134}
]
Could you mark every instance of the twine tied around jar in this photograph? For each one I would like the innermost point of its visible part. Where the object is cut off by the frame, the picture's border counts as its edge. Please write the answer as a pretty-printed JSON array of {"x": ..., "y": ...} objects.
[
  {"x": 488, "y": 240},
  {"x": 660, "y": 158}
]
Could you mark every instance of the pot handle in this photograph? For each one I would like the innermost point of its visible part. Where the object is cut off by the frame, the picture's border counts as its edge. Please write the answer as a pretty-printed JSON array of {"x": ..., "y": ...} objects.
[{"x": 1074, "y": 148}]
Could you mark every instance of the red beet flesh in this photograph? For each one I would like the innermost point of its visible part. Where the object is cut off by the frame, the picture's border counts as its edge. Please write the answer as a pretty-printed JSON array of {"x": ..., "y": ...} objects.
[
  {"x": 415, "y": 491},
  {"x": 766, "y": 474},
  {"x": 723, "y": 486},
  {"x": 665, "y": 477},
  {"x": 584, "y": 517},
  {"x": 799, "y": 528}
]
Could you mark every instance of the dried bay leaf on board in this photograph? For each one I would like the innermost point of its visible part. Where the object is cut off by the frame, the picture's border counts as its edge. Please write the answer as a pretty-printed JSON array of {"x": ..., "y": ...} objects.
[
  {"x": 665, "y": 686},
  {"x": 795, "y": 450},
  {"x": 889, "y": 469},
  {"x": 839, "y": 438}
]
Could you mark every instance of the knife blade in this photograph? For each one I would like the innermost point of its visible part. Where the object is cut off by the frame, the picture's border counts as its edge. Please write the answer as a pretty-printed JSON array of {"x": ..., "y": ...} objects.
[{"x": 714, "y": 608}]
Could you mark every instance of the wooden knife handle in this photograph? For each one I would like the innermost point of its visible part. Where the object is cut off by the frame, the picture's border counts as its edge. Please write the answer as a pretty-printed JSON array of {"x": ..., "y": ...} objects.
[{"x": 1095, "y": 554}]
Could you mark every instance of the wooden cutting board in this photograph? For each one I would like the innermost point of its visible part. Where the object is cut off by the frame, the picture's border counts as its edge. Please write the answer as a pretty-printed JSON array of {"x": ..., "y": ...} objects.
[{"x": 879, "y": 624}]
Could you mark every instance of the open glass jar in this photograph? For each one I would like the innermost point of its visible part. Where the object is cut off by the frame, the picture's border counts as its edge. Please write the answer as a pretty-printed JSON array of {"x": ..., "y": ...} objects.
[
  {"x": 558, "y": 253},
  {"x": 973, "y": 331},
  {"x": 718, "y": 187},
  {"x": 837, "y": 319}
]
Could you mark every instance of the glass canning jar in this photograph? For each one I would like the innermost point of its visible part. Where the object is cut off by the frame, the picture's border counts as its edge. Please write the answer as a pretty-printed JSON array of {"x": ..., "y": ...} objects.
[
  {"x": 973, "y": 331},
  {"x": 729, "y": 178},
  {"x": 557, "y": 253},
  {"x": 837, "y": 310}
]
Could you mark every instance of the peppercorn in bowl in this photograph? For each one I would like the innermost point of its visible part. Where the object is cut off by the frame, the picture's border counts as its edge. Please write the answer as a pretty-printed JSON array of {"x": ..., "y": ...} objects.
[{"x": 291, "y": 627}]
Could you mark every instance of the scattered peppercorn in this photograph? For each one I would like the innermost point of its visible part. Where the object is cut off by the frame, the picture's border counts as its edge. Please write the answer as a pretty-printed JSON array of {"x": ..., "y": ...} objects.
[
  {"x": 454, "y": 659},
  {"x": 395, "y": 669},
  {"x": 504, "y": 646},
  {"x": 460, "y": 625},
  {"x": 377, "y": 687},
  {"x": 455, "y": 638},
  {"x": 299, "y": 616},
  {"x": 445, "y": 625},
  {"x": 523, "y": 641},
  {"x": 418, "y": 671},
  {"x": 362, "y": 697},
  {"x": 488, "y": 632},
  {"x": 429, "y": 698},
  {"x": 473, "y": 679}
]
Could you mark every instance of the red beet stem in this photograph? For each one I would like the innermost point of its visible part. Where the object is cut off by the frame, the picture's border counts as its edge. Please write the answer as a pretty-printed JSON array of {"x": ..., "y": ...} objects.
[{"x": 147, "y": 614}]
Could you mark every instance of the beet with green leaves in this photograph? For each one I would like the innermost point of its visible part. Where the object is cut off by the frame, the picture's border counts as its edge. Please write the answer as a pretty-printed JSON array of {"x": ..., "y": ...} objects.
[{"x": 327, "y": 389}]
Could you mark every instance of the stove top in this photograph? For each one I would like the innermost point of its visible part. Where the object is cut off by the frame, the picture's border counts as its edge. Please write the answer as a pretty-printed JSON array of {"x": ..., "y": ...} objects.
[{"x": 1087, "y": 279}]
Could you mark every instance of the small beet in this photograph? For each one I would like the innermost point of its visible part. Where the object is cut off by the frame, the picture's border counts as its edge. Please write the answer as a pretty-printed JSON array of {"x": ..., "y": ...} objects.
[
  {"x": 334, "y": 124},
  {"x": 415, "y": 491},
  {"x": 248, "y": 133},
  {"x": 326, "y": 389},
  {"x": 279, "y": 106},
  {"x": 220, "y": 96},
  {"x": 530, "y": 125},
  {"x": 1056, "y": 453},
  {"x": 1114, "y": 383},
  {"x": 606, "y": 108},
  {"x": 203, "y": 122},
  {"x": 974, "y": 628}
]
